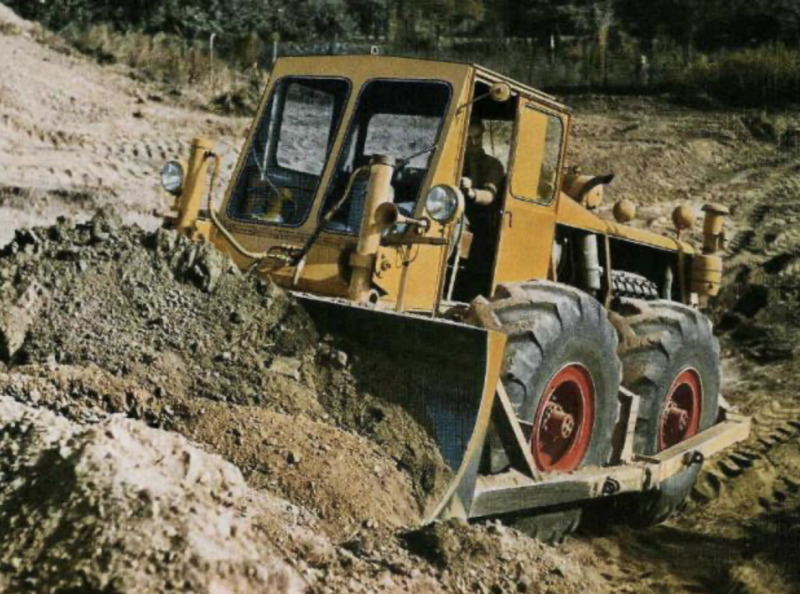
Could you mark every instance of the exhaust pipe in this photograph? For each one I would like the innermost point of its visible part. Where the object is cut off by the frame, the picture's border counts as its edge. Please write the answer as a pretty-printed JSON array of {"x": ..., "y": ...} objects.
[{"x": 707, "y": 268}]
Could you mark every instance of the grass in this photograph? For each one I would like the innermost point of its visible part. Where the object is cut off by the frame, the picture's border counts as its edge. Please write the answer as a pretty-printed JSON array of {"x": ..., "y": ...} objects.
[
  {"x": 231, "y": 82},
  {"x": 175, "y": 63},
  {"x": 763, "y": 76}
]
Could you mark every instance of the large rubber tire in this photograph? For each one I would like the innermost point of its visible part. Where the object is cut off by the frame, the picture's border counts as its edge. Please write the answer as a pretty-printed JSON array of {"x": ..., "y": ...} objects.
[
  {"x": 629, "y": 284},
  {"x": 552, "y": 327},
  {"x": 661, "y": 344}
]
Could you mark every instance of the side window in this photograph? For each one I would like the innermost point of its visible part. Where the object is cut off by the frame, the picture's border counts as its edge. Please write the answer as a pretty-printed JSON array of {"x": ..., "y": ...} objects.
[{"x": 537, "y": 155}]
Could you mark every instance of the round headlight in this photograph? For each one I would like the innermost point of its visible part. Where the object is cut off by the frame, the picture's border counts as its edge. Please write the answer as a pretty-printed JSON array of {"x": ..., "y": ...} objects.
[
  {"x": 172, "y": 177},
  {"x": 444, "y": 203}
]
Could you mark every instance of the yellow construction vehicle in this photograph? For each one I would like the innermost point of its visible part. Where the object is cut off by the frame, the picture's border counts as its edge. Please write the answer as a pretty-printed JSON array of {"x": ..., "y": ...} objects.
[{"x": 555, "y": 355}]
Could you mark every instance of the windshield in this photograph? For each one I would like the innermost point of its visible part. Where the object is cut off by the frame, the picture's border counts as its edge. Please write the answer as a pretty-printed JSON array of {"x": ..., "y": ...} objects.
[
  {"x": 289, "y": 151},
  {"x": 399, "y": 119}
]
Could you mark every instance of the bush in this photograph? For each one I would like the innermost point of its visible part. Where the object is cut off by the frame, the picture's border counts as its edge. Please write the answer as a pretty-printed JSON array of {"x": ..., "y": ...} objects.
[
  {"x": 176, "y": 62},
  {"x": 766, "y": 75}
]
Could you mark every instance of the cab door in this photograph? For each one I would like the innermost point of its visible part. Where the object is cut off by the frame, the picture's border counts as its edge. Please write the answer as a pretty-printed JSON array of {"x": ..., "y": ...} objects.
[{"x": 527, "y": 226}]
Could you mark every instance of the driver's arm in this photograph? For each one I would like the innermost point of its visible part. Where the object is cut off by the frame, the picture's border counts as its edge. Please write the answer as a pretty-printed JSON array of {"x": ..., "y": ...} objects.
[
  {"x": 483, "y": 196},
  {"x": 487, "y": 190}
]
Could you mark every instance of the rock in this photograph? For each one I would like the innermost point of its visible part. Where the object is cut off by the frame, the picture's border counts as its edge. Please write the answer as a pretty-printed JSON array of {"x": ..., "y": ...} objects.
[
  {"x": 287, "y": 366},
  {"x": 15, "y": 320},
  {"x": 341, "y": 359},
  {"x": 318, "y": 552}
]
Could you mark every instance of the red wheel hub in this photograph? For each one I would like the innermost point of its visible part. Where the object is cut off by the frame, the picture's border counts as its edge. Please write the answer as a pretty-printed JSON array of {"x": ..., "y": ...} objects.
[
  {"x": 680, "y": 417},
  {"x": 562, "y": 427}
]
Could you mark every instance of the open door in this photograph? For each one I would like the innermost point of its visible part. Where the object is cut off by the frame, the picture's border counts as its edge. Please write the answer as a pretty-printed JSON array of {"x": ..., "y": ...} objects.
[{"x": 527, "y": 227}]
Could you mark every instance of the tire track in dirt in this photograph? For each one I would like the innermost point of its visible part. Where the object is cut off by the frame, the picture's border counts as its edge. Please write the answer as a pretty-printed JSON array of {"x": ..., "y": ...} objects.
[
  {"x": 107, "y": 134},
  {"x": 774, "y": 427}
]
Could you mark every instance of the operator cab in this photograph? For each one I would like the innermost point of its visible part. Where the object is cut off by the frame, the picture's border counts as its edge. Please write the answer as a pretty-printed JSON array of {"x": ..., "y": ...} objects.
[{"x": 301, "y": 189}]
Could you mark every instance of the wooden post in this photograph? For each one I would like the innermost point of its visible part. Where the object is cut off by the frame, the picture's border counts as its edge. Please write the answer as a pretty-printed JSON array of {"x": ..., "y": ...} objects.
[{"x": 211, "y": 62}]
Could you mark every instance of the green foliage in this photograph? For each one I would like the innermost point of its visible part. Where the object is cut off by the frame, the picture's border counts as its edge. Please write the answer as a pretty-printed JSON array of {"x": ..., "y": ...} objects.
[
  {"x": 161, "y": 57},
  {"x": 705, "y": 24},
  {"x": 740, "y": 51},
  {"x": 759, "y": 76}
]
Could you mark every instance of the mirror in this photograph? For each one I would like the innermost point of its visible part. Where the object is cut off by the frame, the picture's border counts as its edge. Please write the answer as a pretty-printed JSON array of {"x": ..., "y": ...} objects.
[{"x": 500, "y": 92}]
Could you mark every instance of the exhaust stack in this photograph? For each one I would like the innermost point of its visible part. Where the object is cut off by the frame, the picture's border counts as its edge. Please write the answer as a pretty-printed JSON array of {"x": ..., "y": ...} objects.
[{"x": 707, "y": 268}]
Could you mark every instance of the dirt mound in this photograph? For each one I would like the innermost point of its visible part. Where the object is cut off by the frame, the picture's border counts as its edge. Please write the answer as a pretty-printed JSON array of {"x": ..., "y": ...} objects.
[
  {"x": 468, "y": 557},
  {"x": 10, "y": 21},
  {"x": 120, "y": 507},
  {"x": 117, "y": 506},
  {"x": 100, "y": 318}
]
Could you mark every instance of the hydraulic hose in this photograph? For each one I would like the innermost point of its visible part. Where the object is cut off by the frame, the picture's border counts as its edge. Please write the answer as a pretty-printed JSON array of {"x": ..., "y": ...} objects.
[
  {"x": 298, "y": 259},
  {"x": 212, "y": 213}
]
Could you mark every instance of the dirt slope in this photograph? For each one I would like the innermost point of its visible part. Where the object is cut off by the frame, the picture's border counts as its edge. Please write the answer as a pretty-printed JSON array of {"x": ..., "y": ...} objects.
[
  {"x": 74, "y": 136},
  {"x": 98, "y": 319}
]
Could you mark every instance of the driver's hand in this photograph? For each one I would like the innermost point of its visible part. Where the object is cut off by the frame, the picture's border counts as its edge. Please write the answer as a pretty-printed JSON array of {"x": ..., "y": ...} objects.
[{"x": 466, "y": 187}]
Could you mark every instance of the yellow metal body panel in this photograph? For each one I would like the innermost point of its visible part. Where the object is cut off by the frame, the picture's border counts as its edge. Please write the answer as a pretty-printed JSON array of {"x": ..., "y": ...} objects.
[
  {"x": 527, "y": 227},
  {"x": 572, "y": 214}
]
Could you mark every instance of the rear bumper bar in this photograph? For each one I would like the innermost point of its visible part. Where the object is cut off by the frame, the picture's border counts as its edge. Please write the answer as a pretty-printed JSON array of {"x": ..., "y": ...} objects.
[{"x": 514, "y": 491}]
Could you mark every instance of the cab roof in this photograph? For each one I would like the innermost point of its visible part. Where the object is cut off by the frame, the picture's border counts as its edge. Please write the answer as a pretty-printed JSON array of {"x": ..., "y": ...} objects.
[{"x": 481, "y": 72}]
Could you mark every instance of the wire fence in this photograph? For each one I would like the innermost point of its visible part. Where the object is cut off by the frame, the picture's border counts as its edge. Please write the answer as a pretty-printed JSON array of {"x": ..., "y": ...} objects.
[{"x": 575, "y": 63}]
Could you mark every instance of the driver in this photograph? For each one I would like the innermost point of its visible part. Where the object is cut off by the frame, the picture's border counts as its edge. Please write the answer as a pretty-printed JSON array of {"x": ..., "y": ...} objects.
[
  {"x": 482, "y": 181},
  {"x": 483, "y": 174}
]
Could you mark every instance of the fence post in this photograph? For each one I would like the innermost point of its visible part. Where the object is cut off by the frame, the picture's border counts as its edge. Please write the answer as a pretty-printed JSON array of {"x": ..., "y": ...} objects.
[
  {"x": 531, "y": 60},
  {"x": 275, "y": 37},
  {"x": 211, "y": 58}
]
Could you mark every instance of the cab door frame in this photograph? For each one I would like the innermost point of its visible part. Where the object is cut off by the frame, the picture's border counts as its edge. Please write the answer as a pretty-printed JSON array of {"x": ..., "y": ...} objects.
[{"x": 527, "y": 223}]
